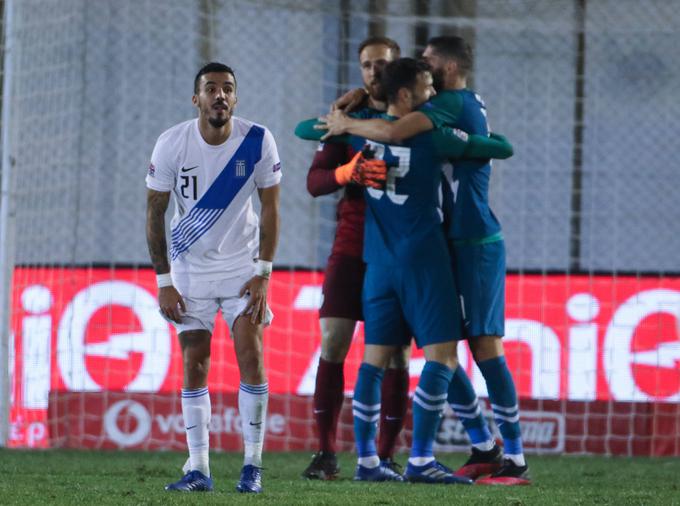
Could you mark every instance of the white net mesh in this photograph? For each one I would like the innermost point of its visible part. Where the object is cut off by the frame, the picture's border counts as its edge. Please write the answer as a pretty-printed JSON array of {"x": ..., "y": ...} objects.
[{"x": 585, "y": 90}]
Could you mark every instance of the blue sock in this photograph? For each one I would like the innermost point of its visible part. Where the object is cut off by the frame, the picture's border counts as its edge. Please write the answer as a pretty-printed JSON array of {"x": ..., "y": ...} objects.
[
  {"x": 428, "y": 402},
  {"x": 366, "y": 409},
  {"x": 463, "y": 400},
  {"x": 503, "y": 397}
]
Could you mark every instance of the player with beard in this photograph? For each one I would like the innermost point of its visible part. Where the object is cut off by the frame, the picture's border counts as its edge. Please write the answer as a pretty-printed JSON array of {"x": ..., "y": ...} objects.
[
  {"x": 212, "y": 166},
  {"x": 409, "y": 282},
  {"x": 341, "y": 307},
  {"x": 383, "y": 324},
  {"x": 478, "y": 259}
]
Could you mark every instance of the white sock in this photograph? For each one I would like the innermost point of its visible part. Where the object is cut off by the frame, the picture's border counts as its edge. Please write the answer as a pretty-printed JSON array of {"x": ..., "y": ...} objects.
[
  {"x": 517, "y": 459},
  {"x": 196, "y": 411},
  {"x": 252, "y": 406},
  {"x": 420, "y": 461},
  {"x": 370, "y": 462}
]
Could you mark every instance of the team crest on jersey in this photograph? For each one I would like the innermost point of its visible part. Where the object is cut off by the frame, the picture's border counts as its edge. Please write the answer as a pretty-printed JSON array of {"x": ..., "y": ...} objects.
[
  {"x": 152, "y": 170},
  {"x": 240, "y": 168}
]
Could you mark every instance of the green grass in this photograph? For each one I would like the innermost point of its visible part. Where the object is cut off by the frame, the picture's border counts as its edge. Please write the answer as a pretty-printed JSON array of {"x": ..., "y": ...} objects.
[{"x": 101, "y": 478}]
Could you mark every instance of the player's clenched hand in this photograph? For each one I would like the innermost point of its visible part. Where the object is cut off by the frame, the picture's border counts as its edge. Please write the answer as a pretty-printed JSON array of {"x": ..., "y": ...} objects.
[
  {"x": 335, "y": 123},
  {"x": 350, "y": 101},
  {"x": 256, "y": 287},
  {"x": 171, "y": 303},
  {"x": 371, "y": 173}
]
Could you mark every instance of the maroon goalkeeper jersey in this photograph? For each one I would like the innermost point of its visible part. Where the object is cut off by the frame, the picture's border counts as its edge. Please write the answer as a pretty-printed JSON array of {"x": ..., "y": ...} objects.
[{"x": 349, "y": 234}]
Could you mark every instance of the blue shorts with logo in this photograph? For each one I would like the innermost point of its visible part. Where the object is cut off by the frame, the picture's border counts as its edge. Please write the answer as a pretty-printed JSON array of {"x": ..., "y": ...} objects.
[
  {"x": 479, "y": 271},
  {"x": 416, "y": 300}
]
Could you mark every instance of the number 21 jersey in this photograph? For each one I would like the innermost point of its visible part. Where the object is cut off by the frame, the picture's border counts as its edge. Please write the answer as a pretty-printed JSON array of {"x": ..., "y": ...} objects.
[{"x": 215, "y": 228}]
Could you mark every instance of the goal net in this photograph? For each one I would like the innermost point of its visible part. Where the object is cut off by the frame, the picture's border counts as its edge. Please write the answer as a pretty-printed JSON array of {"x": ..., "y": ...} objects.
[{"x": 586, "y": 90}]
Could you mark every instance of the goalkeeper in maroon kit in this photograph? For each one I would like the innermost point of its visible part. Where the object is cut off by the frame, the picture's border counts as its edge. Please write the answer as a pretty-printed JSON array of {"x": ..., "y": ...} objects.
[{"x": 335, "y": 165}]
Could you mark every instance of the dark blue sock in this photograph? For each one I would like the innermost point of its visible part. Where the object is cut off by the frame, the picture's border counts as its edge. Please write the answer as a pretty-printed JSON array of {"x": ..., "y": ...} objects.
[
  {"x": 428, "y": 402},
  {"x": 366, "y": 408},
  {"x": 503, "y": 397},
  {"x": 463, "y": 400}
]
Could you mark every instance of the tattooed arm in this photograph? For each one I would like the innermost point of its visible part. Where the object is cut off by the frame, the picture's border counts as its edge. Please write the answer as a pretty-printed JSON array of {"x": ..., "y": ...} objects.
[
  {"x": 156, "y": 205},
  {"x": 269, "y": 238},
  {"x": 169, "y": 299},
  {"x": 269, "y": 222}
]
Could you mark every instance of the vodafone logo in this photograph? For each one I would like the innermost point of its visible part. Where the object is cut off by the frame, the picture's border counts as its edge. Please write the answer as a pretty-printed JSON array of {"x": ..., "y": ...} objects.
[
  {"x": 135, "y": 418},
  {"x": 74, "y": 353}
]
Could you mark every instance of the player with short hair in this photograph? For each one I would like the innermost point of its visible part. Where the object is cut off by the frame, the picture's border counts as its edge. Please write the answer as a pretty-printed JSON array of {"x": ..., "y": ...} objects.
[
  {"x": 476, "y": 239},
  {"x": 221, "y": 258},
  {"x": 409, "y": 283},
  {"x": 478, "y": 260},
  {"x": 341, "y": 307}
]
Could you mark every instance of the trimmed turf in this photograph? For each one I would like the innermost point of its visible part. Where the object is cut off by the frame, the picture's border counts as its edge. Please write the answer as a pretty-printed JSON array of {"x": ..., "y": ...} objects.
[{"x": 101, "y": 478}]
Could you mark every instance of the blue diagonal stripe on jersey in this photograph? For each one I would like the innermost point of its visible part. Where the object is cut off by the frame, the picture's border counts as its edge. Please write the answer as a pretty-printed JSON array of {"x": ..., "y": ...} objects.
[
  {"x": 194, "y": 227},
  {"x": 220, "y": 194},
  {"x": 191, "y": 222}
]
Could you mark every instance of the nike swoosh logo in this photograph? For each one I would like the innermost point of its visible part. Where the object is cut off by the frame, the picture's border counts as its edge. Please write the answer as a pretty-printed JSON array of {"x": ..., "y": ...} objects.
[
  {"x": 258, "y": 423},
  {"x": 189, "y": 428},
  {"x": 392, "y": 418},
  {"x": 190, "y": 168},
  {"x": 317, "y": 411}
]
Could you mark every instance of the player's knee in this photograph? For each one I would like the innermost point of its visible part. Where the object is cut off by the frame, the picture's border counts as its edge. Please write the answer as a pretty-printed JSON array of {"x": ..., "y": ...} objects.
[
  {"x": 196, "y": 369},
  {"x": 336, "y": 338},
  {"x": 254, "y": 376},
  {"x": 250, "y": 358},
  {"x": 251, "y": 365},
  {"x": 253, "y": 373},
  {"x": 444, "y": 353},
  {"x": 400, "y": 358},
  {"x": 195, "y": 354},
  {"x": 335, "y": 349},
  {"x": 486, "y": 347},
  {"x": 195, "y": 342},
  {"x": 378, "y": 356}
]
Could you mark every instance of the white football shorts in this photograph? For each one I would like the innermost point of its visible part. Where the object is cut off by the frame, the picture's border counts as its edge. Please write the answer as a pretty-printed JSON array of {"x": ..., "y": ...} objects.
[{"x": 205, "y": 299}]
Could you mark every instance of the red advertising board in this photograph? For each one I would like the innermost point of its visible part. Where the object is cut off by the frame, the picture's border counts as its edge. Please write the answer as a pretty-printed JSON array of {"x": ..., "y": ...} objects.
[
  {"x": 117, "y": 420},
  {"x": 570, "y": 338}
]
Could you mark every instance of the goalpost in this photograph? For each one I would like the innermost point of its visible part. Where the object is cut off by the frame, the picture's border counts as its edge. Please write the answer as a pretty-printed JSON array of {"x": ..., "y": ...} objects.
[
  {"x": 586, "y": 204},
  {"x": 6, "y": 261}
]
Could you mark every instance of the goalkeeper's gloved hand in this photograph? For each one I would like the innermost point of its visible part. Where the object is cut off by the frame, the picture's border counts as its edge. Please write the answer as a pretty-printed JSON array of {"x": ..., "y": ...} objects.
[{"x": 359, "y": 170}]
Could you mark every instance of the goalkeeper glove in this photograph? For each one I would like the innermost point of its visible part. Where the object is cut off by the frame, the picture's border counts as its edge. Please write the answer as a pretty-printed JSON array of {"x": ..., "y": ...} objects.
[{"x": 359, "y": 170}]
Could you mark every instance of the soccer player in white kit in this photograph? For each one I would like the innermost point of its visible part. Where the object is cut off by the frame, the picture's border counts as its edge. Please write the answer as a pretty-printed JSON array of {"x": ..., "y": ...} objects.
[{"x": 221, "y": 258}]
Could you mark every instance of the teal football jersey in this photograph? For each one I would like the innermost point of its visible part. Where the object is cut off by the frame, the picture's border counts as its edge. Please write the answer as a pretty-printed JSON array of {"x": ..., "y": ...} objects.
[
  {"x": 468, "y": 200},
  {"x": 404, "y": 221}
]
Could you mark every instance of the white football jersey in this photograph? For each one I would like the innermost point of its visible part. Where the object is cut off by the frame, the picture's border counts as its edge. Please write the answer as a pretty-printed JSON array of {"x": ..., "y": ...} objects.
[{"x": 215, "y": 228}]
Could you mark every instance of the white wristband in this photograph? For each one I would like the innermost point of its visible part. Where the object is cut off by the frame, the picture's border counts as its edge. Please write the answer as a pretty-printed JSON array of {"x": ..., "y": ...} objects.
[
  {"x": 163, "y": 280},
  {"x": 263, "y": 268}
]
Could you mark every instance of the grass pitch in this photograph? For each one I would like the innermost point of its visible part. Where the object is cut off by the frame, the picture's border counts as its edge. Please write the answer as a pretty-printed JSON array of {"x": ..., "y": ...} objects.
[{"x": 102, "y": 478}]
